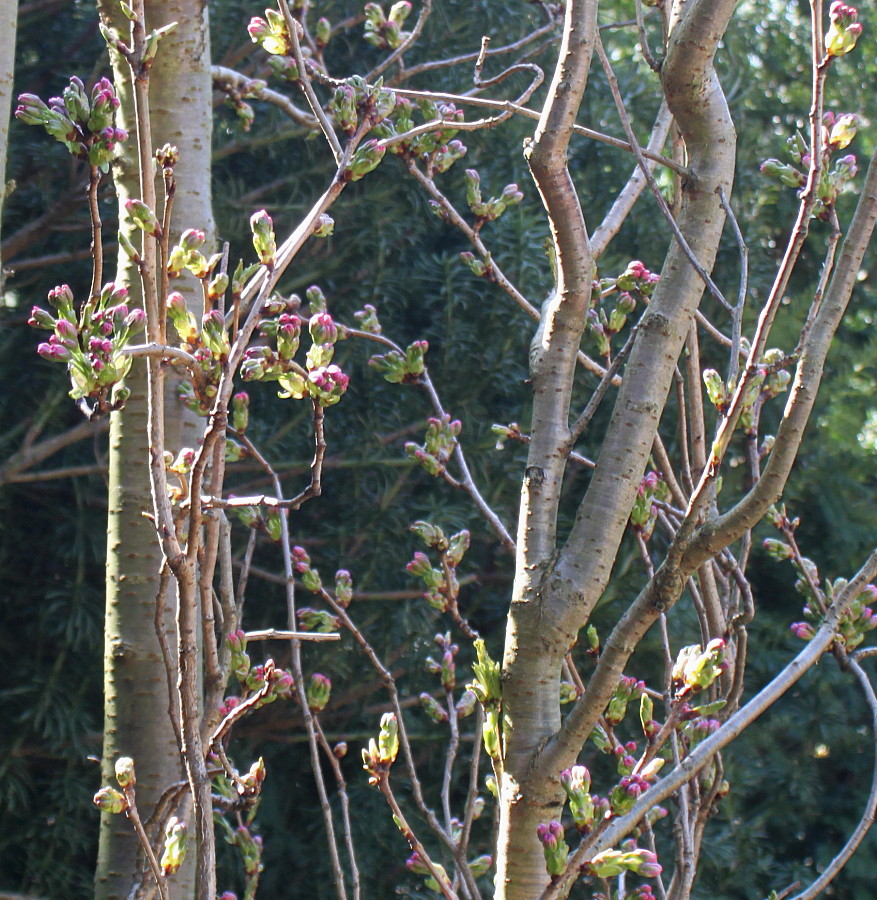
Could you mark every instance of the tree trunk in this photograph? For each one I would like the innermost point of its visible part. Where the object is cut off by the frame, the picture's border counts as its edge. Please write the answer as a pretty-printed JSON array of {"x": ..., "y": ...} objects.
[
  {"x": 8, "y": 23},
  {"x": 136, "y": 720}
]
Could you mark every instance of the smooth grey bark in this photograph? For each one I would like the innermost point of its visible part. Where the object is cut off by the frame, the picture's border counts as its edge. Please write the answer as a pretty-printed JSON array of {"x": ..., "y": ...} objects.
[
  {"x": 8, "y": 25},
  {"x": 556, "y": 588},
  {"x": 136, "y": 720}
]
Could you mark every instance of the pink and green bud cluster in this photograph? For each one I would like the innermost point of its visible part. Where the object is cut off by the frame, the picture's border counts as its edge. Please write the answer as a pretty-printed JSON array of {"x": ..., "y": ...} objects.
[
  {"x": 696, "y": 669},
  {"x": 317, "y": 620},
  {"x": 240, "y": 411},
  {"x": 438, "y": 149},
  {"x": 343, "y": 588},
  {"x": 445, "y": 156},
  {"x": 318, "y": 691},
  {"x": 239, "y": 659},
  {"x": 698, "y": 730},
  {"x": 279, "y": 682},
  {"x": 399, "y": 368},
  {"x": 436, "y": 593},
  {"x": 366, "y": 158},
  {"x": 270, "y": 33},
  {"x": 554, "y": 846},
  {"x": 612, "y": 863},
  {"x": 384, "y": 30},
  {"x": 143, "y": 217},
  {"x": 91, "y": 342},
  {"x": 839, "y": 129},
  {"x": 250, "y": 847},
  {"x": 480, "y": 267},
  {"x": 441, "y": 584},
  {"x": 465, "y": 706},
  {"x": 264, "y": 243},
  {"x": 187, "y": 255},
  {"x": 488, "y": 210},
  {"x": 438, "y": 446},
  {"x": 320, "y": 379},
  {"x": 576, "y": 782},
  {"x": 626, "y": 793},
  {"x": 627, "y": 689},
  {"x": 844, "y": 30},
  {"x": 82, "y": 122},
  {"x": 644, "y": 513},
  {"x": 368, "y": 319},
  {"x": 381, "y": 754},
  {"x": 859, "y": 619},
  {"x": 416, "y": 864},
  {"x": 636, "y": 278},
  {"x": 175, "y": 846},
  {"x": 284, "y": 68},
  {"x": 355, "y": 101},
  {"x": 433, "y": 708}
]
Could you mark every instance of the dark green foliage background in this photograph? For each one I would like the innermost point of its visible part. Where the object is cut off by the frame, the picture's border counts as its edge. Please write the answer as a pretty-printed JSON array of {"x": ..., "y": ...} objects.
[{"x": 788, "y": 810}]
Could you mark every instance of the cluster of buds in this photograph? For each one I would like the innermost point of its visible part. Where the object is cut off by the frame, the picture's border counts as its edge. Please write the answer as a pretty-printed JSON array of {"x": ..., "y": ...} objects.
[
  {"x": 479, "y": 266},
  {"x": 614, "y": 299},
  {"x": 270, "y": 33},
  {"x": 697, "y": 668},
  {"x": 438, "y": 150},
  {"x": 402, "y": 368},
  {"x": 355, "y": 101},
  {"x": 92, "y": 342},
  {"x": 603, "y": 326},
  {"x": 612, "y": 863},
  {"x": 441, "y": 584},
  {"x": 186, "y": 254},
  {"x": 838, "y": 131},
  {"x": 856, "y": 622},
  {"x": 367, "y": 317},
  {"x": 381, "y": 754},
  {"x": 554, "y": 846},
  {"x": 108, "y": 799},
  {"x": 487, "y": 688},
  {"x": 446, "y": 669},
  {"x": 488, "y": 210},
  {"x": 627, "y": 689},
  {"x": 844, "y": 30},
  {"x": 269, "y": 522},
  {"x": 83, "y": 123},
  {"x": 318, "y": 692},
  {"x": 584, "y": 807},
  {"x": 770, "y": 379},
  {"x": 631, "y": 786},
  {"x": 366, "y": 158},
  {"x": 438, "y": 446},
  {"x": 319, "y": 379},
  {"x": 416, "y": 864},
  {"x": 310, "y": 577},
  {"x": 384, "y": 31},
  {"x": 644, "y": 513},
  {"x": 176, "y": 840},
  {"x": 697, "y": 730},
  {"x": 320, "y": 621},
  {"x": 275, "y": 682},
  {"x": 637, "y": 279}
]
